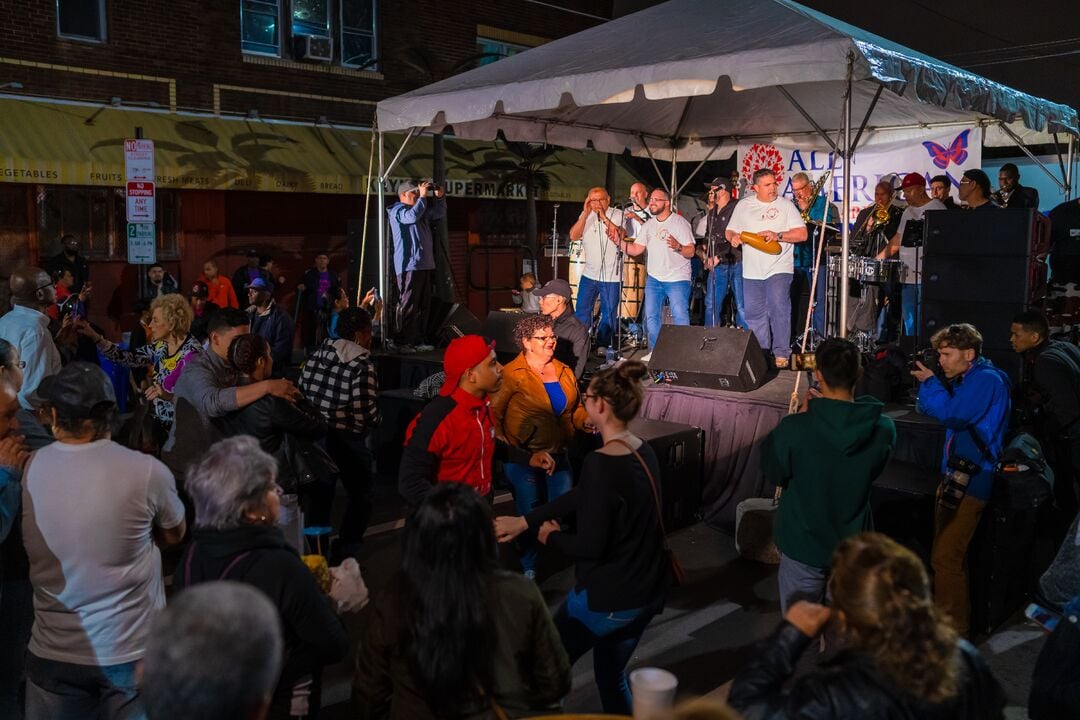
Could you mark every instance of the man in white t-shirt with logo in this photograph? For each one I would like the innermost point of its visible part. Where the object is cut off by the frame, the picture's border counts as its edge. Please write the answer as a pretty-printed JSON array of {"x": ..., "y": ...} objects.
[
  {"x": 767, "y": 278},
  {"x": 914, "y": 187},
  {"x": 669, "y": 241},
  {"x": 596, "y": 227},
  {"x": 91, "y": 512}
]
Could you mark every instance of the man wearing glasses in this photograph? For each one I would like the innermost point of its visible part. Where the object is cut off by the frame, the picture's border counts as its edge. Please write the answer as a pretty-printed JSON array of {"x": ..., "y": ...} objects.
[
  {"x": 669, "y": 241},
  {"x": 26, "y": 326}
]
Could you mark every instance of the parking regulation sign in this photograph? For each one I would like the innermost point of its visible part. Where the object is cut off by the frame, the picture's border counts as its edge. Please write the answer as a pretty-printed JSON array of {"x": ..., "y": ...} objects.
[
  {"x": 142, "y": 243},
  {"x": 140, "y": 202},
  {"x": 139, "y": 159}
]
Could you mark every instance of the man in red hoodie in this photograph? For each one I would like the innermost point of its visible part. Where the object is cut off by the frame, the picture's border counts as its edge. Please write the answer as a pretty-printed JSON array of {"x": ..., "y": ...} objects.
[{"x": 453, "y": 437}]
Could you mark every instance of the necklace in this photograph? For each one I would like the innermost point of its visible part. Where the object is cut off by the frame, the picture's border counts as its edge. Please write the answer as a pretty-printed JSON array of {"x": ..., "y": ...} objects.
[{"x": 624, "y": 435}]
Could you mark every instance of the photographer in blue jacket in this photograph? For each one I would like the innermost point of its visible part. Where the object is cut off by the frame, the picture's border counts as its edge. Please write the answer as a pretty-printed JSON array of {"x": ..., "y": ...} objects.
[{"x": 970, "y": 397}]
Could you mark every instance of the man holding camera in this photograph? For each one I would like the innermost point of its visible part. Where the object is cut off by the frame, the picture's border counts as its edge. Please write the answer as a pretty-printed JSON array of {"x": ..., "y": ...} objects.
[
  {"x": 411, "y": 219},
  {"x": 970, "y": 397}
]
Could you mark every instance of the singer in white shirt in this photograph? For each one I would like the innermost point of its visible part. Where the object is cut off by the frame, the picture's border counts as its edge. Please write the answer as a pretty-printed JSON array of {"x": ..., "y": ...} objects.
[{"x": 598, "y": 226}]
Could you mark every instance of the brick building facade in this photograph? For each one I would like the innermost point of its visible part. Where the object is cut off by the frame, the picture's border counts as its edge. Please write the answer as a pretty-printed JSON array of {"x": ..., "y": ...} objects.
[{"x": 75, "y": 77}]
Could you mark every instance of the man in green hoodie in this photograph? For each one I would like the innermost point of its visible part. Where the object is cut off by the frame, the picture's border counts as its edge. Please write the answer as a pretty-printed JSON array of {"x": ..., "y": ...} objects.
[{"x": 825, "y": 460}]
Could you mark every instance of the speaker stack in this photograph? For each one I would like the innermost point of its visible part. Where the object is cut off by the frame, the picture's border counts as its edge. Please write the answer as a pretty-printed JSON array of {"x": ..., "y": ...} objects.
[{"x": 980, "y": 267}]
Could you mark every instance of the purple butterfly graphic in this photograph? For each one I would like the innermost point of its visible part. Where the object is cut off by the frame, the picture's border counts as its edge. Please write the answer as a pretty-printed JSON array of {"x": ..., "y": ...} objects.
[{"x": 956, "y": 152}]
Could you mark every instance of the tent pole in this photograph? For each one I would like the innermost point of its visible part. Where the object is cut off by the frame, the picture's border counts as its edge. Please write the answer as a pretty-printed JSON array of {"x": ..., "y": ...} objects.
[
  {"x": 397, "y": 156},
  {"x": 659, "y": 175},
  {"x": 845, "y": 236},
  {"x": 1020, "y": 144},
  {"x": 866, "y": 117},
  {"x": 696, "y": 170},
  {"x": 380, "y": 215},
  {"x": 806, "y": 115},
  {"x": 672, "y": 188},
  {"x": 1069, "y": 174}
]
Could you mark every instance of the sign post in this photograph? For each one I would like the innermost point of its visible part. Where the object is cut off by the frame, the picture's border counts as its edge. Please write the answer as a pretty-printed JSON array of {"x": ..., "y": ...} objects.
[{"x": 141, "y": 207}]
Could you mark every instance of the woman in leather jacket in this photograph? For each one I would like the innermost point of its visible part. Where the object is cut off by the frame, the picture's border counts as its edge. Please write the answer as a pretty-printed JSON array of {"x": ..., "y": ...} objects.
[
  {"x": 901, "y": 658},
  {"x": 270, "y": 419}
]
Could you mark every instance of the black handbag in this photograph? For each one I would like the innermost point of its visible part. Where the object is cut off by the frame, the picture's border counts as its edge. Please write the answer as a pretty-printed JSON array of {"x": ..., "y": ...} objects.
[
  {"x": 1023, "y": 479},
  {"x": 308, "y": 461}
]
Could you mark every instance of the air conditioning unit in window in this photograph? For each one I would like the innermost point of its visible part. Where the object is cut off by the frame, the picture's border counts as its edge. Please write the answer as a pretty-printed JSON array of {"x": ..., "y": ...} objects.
[{"x": 313, "y": 47}]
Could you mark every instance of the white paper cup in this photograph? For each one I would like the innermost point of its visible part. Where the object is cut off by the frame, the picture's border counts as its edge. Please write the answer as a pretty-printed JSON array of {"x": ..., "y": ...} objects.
[{"x": 653, "y": 690}]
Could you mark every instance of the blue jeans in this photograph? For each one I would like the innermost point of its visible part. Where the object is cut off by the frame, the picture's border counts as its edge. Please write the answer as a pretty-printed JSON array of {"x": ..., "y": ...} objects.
[
  {"x": 532, "y": 488},
  {"x": 588, "y": 289},
  {"x": 799, "y": 581},
  {"x": 63, "y": 690},
  {"x": 612, "y": 636},
  {"x": 768, "y": 313},
  {"x": 677, "y": 294},
  {"x": 724, "y": 277},
  {"x": 910, "y": 303}
]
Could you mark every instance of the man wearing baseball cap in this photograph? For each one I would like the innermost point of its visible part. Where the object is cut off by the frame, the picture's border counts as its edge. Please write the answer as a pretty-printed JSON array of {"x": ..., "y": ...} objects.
[
  {"x": 453, "y": 437},
  {"x": 411, "y": 226},
  {"x": 975, "y": 190},
  {"x": 724, "y": 265},
  {"x": 201, "y": 308},
  {"x": 273, "y": 323},
  {"x": 91, "y": 512},
  {"x": 911, "y": 222},
  {"x": 572, "y": 348}
]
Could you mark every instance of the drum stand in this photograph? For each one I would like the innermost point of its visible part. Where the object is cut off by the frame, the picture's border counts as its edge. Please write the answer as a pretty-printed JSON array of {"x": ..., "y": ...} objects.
[{"x": 555, "y": 243}]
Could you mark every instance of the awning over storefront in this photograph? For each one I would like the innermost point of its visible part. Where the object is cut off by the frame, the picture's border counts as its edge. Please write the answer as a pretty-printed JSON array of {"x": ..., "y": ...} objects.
[{"x": 72, "y": 144}]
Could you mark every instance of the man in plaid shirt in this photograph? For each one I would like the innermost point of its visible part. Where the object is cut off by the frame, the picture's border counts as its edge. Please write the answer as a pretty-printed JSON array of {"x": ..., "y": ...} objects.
[{"x": 339, "y": 378}]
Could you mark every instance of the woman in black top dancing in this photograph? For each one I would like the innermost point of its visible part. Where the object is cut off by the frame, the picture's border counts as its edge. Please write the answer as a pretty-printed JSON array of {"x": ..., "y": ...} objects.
[{"x": 622, "y": 569}]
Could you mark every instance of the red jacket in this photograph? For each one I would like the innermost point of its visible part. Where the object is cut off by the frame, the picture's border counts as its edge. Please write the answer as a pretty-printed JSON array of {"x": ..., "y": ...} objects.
[
  {"x": 222, "y": 292},
  {"x": 451, "y": 440}
]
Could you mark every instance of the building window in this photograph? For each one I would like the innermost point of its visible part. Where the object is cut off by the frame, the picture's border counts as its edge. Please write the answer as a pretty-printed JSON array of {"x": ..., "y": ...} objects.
[
  {"x": 493, "y": 50},
  {"x": 358, "y": 33},
  {"x": 311, "y": 17},
  {"x": 81, "y": 19},
  {"x": 260, "y": 30},
  {"x": 98, "y": 216}
]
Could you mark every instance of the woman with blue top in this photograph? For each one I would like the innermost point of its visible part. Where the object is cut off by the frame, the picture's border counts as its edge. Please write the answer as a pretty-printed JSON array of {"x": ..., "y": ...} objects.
[{"x": 535, "y": 414}]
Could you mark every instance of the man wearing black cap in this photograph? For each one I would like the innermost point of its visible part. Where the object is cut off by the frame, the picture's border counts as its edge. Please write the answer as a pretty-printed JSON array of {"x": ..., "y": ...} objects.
[
  {"x": 1010, "y": 193},
  {"x": 975, "y": 190},
  {"x": 572, "y": 348},
  {"x": 201, "y": 309},
  {"x": 722, "y": 261},
  {"x": 69, "y": 259},
  {"x": 92, "y": 514}
]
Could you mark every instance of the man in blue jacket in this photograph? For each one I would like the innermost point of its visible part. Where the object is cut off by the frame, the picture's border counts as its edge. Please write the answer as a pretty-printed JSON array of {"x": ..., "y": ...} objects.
[
  {"x": 270, "y": 321},
  {"x": 411, "y": 219},
  {"x": 972, "y": 402}
]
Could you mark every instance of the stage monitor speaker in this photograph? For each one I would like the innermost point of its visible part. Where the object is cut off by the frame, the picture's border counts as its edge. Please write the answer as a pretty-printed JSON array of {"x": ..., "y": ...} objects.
[
  {"x": 459, "y": 321},
  {"x": 499, "y": 326},
  {"x": 718, "y": 358},
  {"x": 978, "y": 268}
]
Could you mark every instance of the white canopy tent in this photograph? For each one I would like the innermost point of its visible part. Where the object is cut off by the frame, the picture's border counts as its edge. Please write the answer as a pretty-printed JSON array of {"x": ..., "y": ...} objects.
[{"x": 689, "y": 79}]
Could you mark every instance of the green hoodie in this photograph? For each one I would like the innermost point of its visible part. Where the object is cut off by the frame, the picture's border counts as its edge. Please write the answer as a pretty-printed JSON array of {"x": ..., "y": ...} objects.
[{"x": 826, "y": 459}]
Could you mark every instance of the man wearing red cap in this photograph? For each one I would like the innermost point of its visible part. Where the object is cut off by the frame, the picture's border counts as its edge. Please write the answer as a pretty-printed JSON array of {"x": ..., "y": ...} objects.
[
  {"x": 914, "y": 187},
  {"x": 453, "y": 438}
]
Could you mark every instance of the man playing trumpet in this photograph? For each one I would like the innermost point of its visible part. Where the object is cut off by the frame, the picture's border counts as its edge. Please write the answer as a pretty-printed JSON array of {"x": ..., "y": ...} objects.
[{"x": 767, "y": 271}]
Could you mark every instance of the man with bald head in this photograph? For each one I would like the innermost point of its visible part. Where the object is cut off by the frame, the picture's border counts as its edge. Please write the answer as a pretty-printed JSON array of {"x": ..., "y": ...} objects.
[
  {"x": 26, "y": 326},
  {"x": 598, "y": 224}
]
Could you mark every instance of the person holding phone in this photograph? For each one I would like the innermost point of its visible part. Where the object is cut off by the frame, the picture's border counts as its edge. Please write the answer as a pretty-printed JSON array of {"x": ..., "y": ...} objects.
[{"x": 412, "y": 218}]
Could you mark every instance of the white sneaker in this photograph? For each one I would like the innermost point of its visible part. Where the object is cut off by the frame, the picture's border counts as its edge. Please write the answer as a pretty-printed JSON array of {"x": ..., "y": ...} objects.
[{"x": 645, "y": 358}]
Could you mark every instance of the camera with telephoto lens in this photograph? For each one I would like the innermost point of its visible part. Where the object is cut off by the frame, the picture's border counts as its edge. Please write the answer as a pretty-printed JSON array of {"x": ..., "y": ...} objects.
[
  {"x": 432, "y": 186},
  {"x": 958, "y": 473}
]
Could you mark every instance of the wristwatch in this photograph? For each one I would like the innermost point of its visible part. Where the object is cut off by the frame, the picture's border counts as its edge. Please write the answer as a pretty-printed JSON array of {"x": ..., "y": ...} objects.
[{"x": 780, "y": 236}]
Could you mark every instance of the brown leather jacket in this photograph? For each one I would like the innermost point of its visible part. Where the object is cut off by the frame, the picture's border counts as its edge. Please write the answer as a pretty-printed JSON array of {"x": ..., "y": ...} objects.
[{"x": 523, "y": 415}]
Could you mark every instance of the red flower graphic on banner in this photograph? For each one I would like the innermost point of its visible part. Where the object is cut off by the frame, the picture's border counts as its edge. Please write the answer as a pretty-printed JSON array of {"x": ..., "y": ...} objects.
[{"x": 762, "y": 156}]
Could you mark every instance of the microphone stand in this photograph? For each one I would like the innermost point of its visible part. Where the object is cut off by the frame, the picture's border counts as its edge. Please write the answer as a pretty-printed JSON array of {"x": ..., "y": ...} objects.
[
  {"x": 710, "y": 281},
  {"x": 555, "y": 243}
]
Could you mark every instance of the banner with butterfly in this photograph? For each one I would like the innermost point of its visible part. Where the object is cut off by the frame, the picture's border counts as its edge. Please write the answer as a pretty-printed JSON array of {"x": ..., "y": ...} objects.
[{"x": 938, "y": 152}]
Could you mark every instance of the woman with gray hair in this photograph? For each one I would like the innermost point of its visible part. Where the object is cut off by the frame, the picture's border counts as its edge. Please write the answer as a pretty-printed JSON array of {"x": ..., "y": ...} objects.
[{"x": 236, "y": 537}]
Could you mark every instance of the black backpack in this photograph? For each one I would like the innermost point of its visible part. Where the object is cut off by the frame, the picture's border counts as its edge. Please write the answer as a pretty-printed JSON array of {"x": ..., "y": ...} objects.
[{"x": 1023, "y": 479}]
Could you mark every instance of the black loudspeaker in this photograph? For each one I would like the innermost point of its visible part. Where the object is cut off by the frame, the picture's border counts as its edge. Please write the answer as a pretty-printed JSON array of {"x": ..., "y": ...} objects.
[
  {"x": 499, "y": 326},
  {"x": 978, "y": 268},
  {"x": 459, "y": 321},
  {"x": 718, "y": 358},
  {"x": 680, "y": 450}
]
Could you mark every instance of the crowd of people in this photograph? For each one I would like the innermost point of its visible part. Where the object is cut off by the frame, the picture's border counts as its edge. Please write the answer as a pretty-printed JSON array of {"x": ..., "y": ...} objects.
[{"x": 230, "y": 439}]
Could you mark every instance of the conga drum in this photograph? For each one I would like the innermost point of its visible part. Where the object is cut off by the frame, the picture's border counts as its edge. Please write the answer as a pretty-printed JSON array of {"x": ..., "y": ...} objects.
[
  {"x": 576, "y": 259},
  {"x": 633, "y": 287}
]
